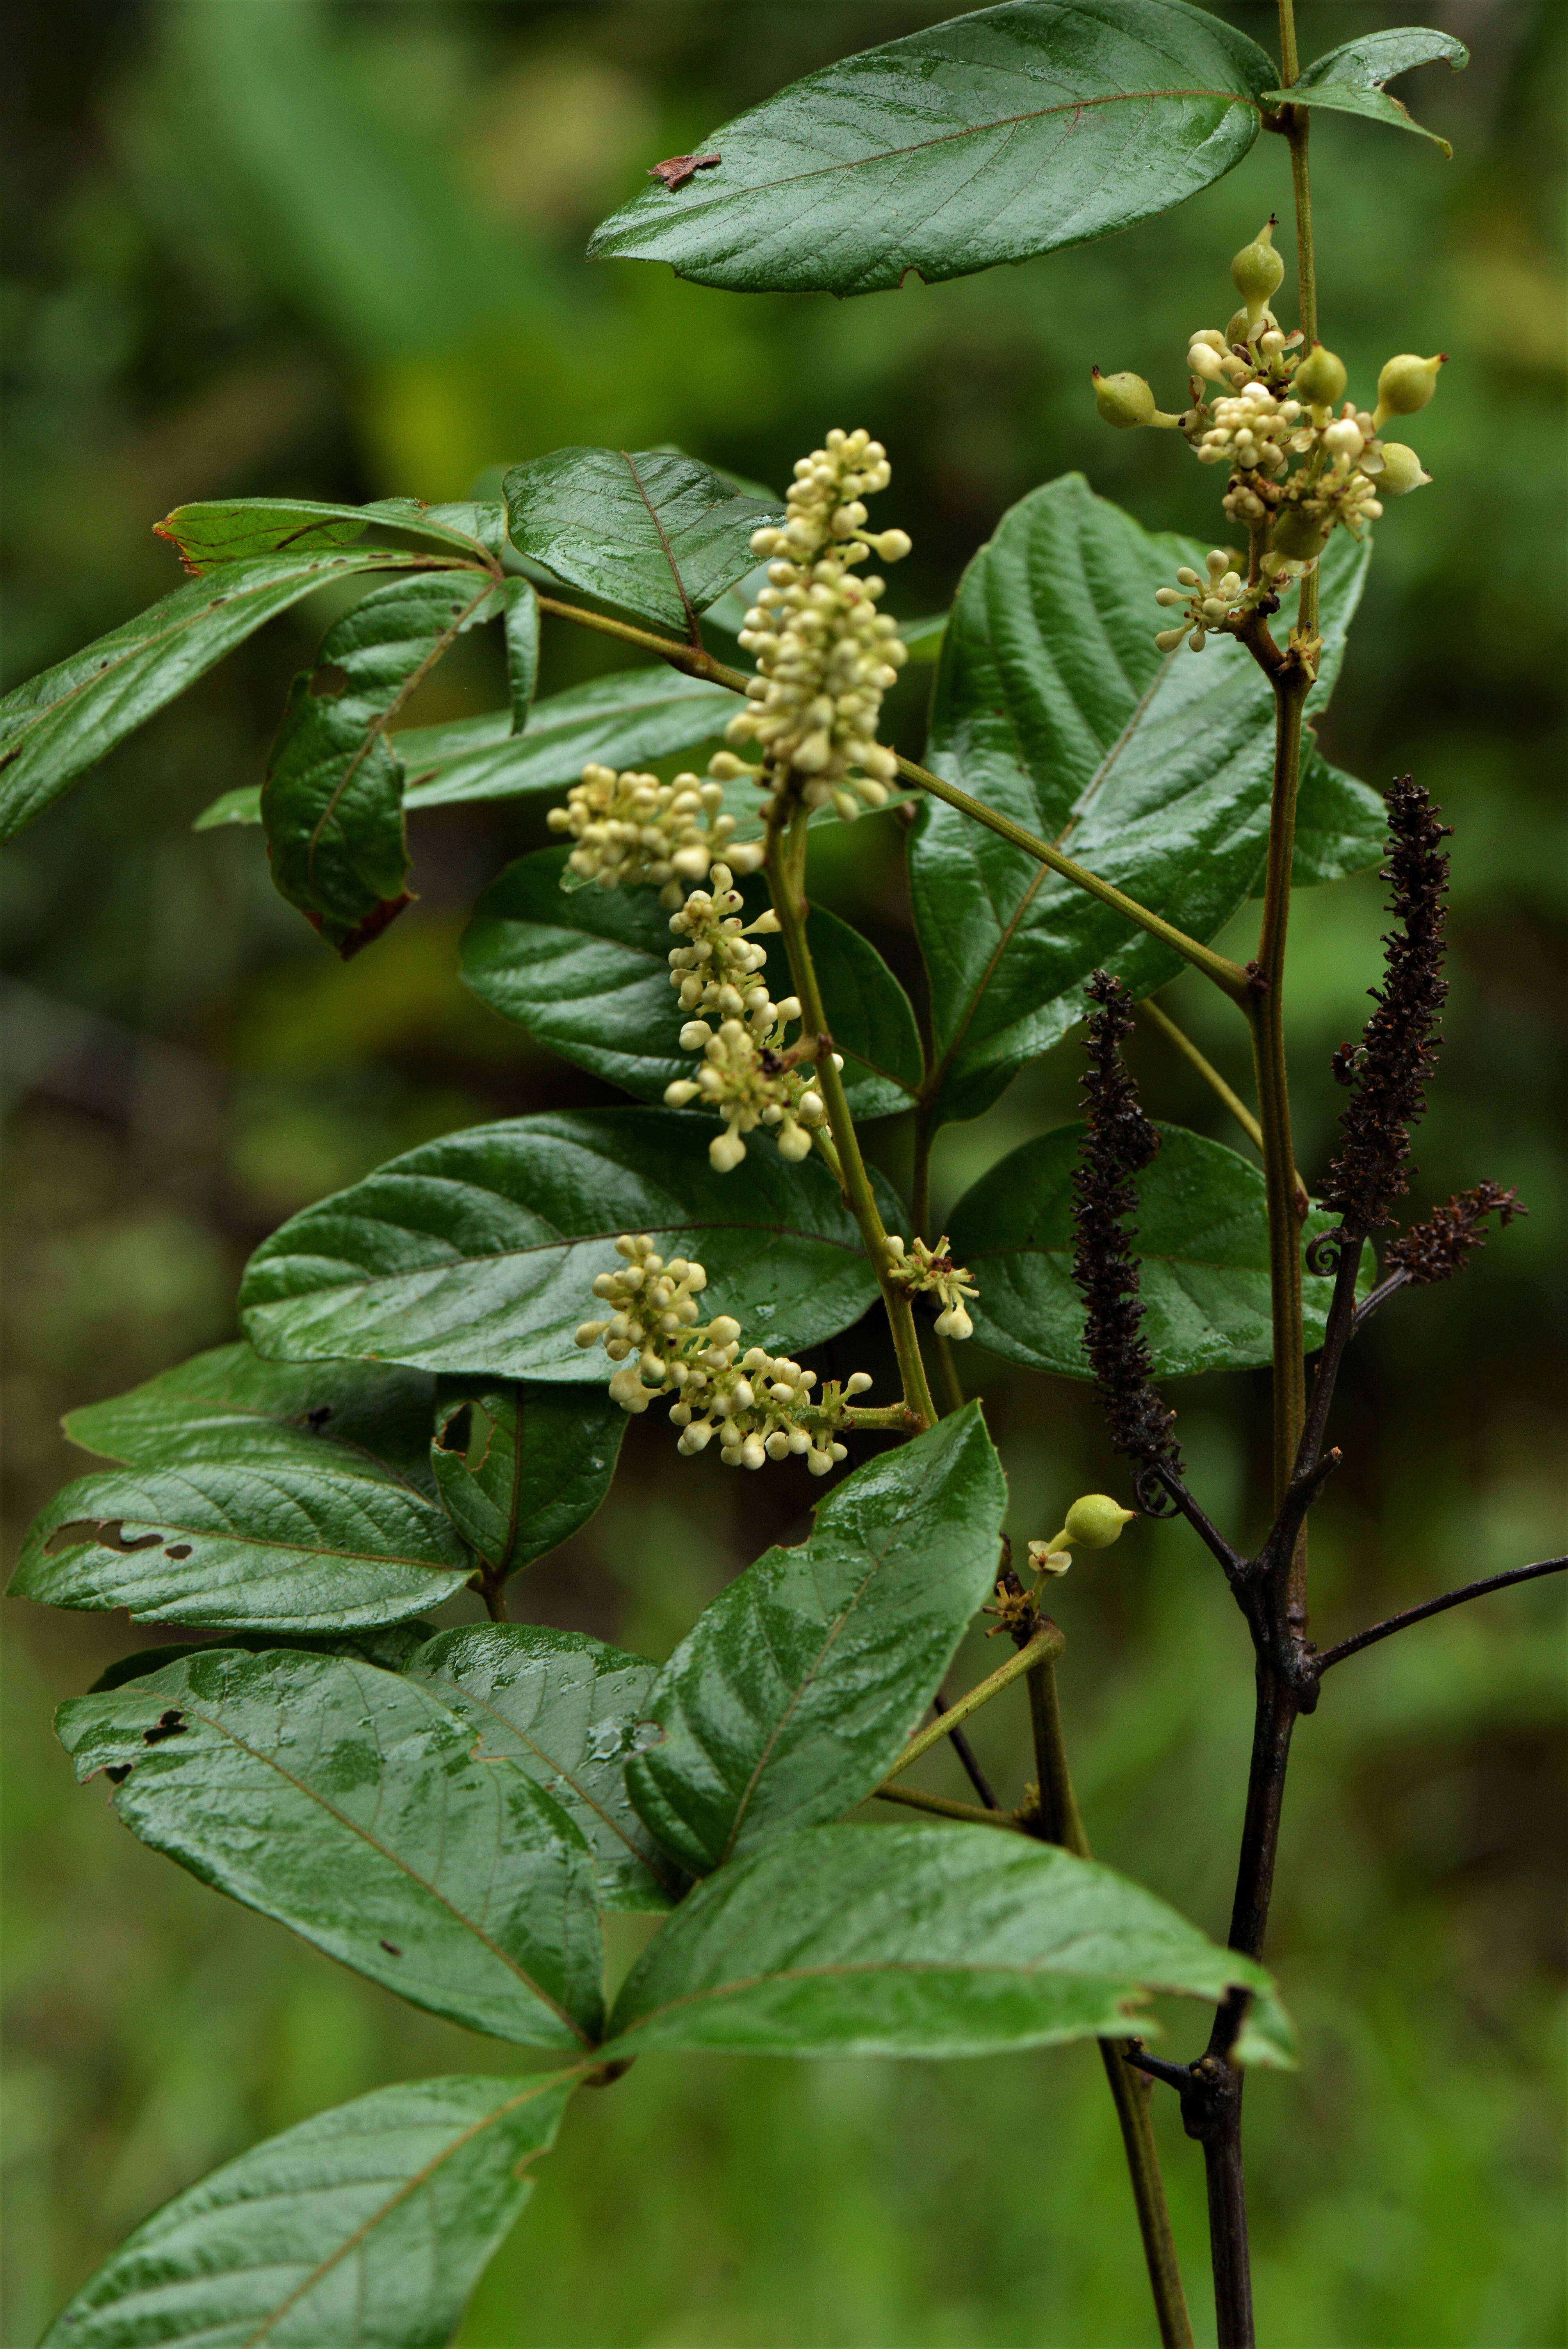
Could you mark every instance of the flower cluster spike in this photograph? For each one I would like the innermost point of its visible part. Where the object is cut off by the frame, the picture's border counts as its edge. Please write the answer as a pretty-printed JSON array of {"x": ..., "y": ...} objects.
[
  {"x": 761, "y": 1406},
  {"x": 632, "y": 828},
  {"x": 751, "y": 1073},
  {"x": 1300, "y": 457},
  {"x": 918, "y": 1266},
  {"x": 825, "y": 655}
]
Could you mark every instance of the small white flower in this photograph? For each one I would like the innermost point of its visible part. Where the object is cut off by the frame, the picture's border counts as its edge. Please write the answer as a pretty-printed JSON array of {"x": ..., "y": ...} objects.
[{"x": 918, "y": 1268}]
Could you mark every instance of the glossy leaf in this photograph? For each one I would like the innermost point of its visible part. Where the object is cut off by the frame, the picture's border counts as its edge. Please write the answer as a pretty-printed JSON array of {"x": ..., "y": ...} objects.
[
  {"x": 568, "y": 1711},
  {"x": 332, "y": 799},
  {"x": 796, "y": 1690},
  {"x": 1054, "y": 706},
  {"x": 347, "y": 1803},
  {"x": 235, "y": 529},
  {"x": 1202, "y": 1243},
  {"x": 367, "y": 2227},
  {"x": 278, "y": 1496},
  {"x": 59, "y": 723},
  {"x": 1350, "y": 78},
  {"x": 651, "y": 532},
  {"x": 521, "y": 1467},
  {"x": 478, "y": 1252},
  {"x": 1016, "y": 130},
  {"x": 521, "y": 615},
  {"x": 586, "y": 972},
  {"x": 389, "y": 1647},
  {"x": 920, "y": 1941}
]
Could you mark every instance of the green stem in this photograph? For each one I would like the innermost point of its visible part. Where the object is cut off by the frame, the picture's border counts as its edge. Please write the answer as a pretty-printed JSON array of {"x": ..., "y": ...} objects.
[
  {"x": 791, "y": 910},
  {"x": 1062, "y": 1823},
  {"x": 1151, "y": 1010},
  {"x": 1046, "y": 1642},
  {"x": 971, "y": 1813},
  {"x": 1298, "y": 131},
  {"x": 699, "y": 662}
]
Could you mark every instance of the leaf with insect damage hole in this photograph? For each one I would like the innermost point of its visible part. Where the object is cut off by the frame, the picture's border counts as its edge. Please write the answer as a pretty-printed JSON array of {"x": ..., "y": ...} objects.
[
  {"x": 276, "y": 1496},
  {"x": 367, "y": 2227},
  {"x": 921, "y": 1940},
  {"x": 1015, "y": 130},
  {"x": 332, "y": 799},
  {"x": 479, "y": 1252},
  {"x": 1054, "y": 707},
  {"x": 1350, "y": 79},
  {"x": 56, "y": 725},
  {"x": 350, "y": 1805},
  {"x": 521, "y": 1467},
  {"x": 649, "y": 531},
  {"x": 798, "y": 1689},
  {"x": 587, "y": 973},
  {"x": 570, "y": 1710}
]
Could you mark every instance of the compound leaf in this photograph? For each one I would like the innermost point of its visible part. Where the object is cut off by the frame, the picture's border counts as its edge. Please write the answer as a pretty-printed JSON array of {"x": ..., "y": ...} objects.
[
  {"x": 651, "y": 532},
  {"x": 586, "y": 972},
  {"x": 1201, "y": 1240},
  {"x": 568, "y": 1711},
  {"x": 921, "y": 1940},
  {"x": 1054, "y": 706},
  {"x": 367, "y": 2227},
  {"x": 332, "y": 800},
  {"x": 478, "y": 1253},
  {"x": 350, "y": 1805},
  {"x": 521, "y": 1467},
  {"x": 796, "y": 1690},
  {"x": 1351, "y": 78},
  {"x": 56, "y": 725},
  {"x": 1016, "y": 130}
]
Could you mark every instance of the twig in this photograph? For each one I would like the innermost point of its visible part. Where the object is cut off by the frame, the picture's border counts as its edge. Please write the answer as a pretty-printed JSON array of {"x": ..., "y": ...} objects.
[
  {"x": 1046, "y": 1642},
  {"x": 1436, "y": 1607},
  {"x": 1151, "y": 1010},
  {"x": 944, "y": 1809},
  {"x": 965, "y": 1752}
]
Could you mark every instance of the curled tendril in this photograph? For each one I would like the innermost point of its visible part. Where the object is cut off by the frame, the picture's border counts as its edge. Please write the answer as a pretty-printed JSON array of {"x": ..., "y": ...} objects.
[
  {"x": 1150, "y": 1495},
  {"x": 1324, "y": 1253}
]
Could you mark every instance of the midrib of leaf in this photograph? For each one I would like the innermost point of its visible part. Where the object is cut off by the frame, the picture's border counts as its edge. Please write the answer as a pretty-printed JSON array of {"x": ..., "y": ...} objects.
[
  {"x": 466, "y": 1923},
  {"x": 692, "y": 632},
  {"x": 409, "y": 2186},
  {"x": 844, "y": 1969},
  {"x": 385, "y": 1473},
  {"x": 972, "y": 131},
  {"x": 561, "y": 1771},
  {"x": 302, "y": 1550},
  {"x": 379, "y": 725}
]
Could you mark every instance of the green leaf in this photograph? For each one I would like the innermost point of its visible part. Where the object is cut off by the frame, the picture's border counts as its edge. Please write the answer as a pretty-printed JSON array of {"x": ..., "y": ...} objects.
[
  {"x": 367, "y": 2227},
  {"x": 274, "y": 1497},
  {"x": 568, "y": 1711},
  {"x": 1341, "y": 825},
  {"x": 59, "y": 723},
  {"x": 919, "y": 1940},
  {"x": 1203, "y": 1240},
  {"x": 1350, "y": 78},
  {"x": 332, "y": 799},
  {"x": 586, "y": 972},
  {"x": 1054, "y": 706},
  {"x": 1016, "y": 130},
  {"x": 347, "y": 1803},
  {"x": 521, "y": 1467},
  {"x": 798, "y": 1689},
  {"x": 241, "y": 805},
  {"x": 478, "y": 1253},
  {"x": 653, "y": 533},
  {"x": 521, "y": 613},
  {"x": 235, "y": 529},
  {"x": 389, "y": 1647}
]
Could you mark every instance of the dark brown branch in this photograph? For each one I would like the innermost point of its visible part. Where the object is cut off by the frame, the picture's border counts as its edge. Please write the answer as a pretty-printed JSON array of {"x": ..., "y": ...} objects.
[{"x": 1436, "y": 1607}]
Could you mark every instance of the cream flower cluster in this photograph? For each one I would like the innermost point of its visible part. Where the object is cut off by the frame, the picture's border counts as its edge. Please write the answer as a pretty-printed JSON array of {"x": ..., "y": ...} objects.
[
  {"x": 632, "y": 828},
  {"x": 825, "y": 655},
  {"x": 917, "y": 1267},
  {"x": 1217, "y": 601},
  {"x": 1259, "y": 402},
  {"x": 761, "y": 1406},
  {"x": 750, "y": 1072}
]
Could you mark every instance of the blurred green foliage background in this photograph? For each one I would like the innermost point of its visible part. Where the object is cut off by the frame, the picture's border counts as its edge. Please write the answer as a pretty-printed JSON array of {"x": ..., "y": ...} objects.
[{"x": 336, "y": 249}]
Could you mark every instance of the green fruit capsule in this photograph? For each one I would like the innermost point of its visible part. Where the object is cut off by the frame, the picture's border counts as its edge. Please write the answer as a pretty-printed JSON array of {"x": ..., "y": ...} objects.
[
  {"x": 1402, "y": 471},
  {"x": 1124, "y": 399},
  {"x": 1406, "y": 383},
  {"x": 1095, "y": 1521},
  {"x": 1320, "y": 378},
  {"x": 1258, "y": 270},
  {"x": 1299, "y": 536}
]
